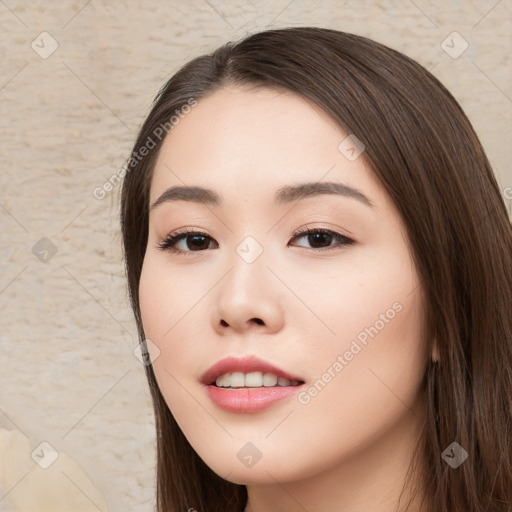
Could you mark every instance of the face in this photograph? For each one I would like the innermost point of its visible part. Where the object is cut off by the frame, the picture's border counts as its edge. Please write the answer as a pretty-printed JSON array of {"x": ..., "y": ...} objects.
[{"x": 320, "y": 285}]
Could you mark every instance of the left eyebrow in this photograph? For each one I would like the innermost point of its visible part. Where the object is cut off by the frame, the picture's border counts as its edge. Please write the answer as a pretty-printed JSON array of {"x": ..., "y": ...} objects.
[
  {"x": 284, "y": 195},
  {"x": 289, "y": 193}
]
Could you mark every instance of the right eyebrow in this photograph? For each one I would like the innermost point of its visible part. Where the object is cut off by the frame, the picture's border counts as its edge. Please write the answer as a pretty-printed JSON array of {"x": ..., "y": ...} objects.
[{"x": 194, "y": 194}]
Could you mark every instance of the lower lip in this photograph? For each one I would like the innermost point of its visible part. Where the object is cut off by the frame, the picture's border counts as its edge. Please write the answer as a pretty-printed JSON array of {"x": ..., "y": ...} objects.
[{"x": 249, "y": 400}]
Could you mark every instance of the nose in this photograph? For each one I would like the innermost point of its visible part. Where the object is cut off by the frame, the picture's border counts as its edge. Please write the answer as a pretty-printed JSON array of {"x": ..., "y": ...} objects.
[{"x": 248, "y": 298}]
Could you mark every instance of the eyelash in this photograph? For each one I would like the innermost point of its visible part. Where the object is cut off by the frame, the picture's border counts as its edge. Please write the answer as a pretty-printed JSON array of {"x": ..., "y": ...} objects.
[{"x": 168, "y": 243}]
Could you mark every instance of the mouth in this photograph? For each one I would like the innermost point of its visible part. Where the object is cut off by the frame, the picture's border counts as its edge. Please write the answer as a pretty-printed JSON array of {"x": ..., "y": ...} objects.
[
  {"x": 248, "y": 385},
  {"x": 257, "y": 379},
  {"x": 248, "y": 372}
]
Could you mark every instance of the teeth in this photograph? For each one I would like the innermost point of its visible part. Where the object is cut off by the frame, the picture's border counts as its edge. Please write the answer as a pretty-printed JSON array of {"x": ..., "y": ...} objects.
[
  {"x": 252, "y": 380},
  {"x": 281, "y": 381},
  {"x": 237, "y": 380},
  {"x": 269, "y": 379}
]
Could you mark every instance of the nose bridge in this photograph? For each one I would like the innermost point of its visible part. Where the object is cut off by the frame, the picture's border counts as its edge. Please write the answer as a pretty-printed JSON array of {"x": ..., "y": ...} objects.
[
  {"x": 245, "y": 280},
  {"x": 246, "y": 293}
]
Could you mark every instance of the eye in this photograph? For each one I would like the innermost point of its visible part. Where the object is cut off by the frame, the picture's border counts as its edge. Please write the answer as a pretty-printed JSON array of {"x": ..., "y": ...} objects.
[
  {"x": 197, "y": 241},
  {"x": 194, "y": 241},
  {"x": 320, "y": 238}
]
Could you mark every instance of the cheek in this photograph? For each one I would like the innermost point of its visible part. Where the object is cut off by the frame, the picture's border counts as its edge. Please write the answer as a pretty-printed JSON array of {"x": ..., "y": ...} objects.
[
  {"x": 372, "y": 376},
  {"x": 365, "y": 294},
  {"x": 167, "y": 299},
  {"x": 169, "y": 302},
  {"x": 356, "y": 401},
  {"x": 369, "y": 373},
  {"x": 163, "y": 312}
]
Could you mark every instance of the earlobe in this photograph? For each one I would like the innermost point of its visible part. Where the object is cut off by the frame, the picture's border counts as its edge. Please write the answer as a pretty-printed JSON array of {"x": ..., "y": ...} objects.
[{"x": 435, "y": 352}]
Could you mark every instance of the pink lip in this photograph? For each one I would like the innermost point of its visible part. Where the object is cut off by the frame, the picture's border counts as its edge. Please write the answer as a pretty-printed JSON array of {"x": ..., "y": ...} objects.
[{"x": 247, "y": 400}]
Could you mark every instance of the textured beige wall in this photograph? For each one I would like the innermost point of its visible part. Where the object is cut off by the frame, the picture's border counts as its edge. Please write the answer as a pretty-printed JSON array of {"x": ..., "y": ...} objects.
[{"x": 68, "y": 376}]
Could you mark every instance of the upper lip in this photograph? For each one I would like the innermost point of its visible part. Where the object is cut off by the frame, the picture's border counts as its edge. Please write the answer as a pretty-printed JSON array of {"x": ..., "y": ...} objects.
[{"x": 246, "y": 364}]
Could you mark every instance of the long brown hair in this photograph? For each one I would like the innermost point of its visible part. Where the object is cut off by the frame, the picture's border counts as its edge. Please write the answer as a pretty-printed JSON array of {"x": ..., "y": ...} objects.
[{"x": 424, "y": 150}]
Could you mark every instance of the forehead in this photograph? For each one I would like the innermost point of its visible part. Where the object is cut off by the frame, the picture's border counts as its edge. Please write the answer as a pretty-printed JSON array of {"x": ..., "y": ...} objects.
[{"x": 244, "y": 141}]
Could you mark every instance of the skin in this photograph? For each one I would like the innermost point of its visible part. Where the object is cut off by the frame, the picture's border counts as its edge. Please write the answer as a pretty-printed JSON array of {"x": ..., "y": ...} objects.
[{"x": 348, "y": 449}]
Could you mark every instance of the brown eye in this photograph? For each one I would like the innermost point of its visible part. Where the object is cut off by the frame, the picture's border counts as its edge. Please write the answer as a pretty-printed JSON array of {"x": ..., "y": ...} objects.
[
  {"x": 321, "y": 239},
  {"x": 196, "y": 242},
  {"x": 188, "y": 242},
  {"x": 191, "y": 241}
]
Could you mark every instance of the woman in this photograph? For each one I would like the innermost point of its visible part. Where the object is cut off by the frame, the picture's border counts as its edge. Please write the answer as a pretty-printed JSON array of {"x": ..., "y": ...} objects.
[{"x": 320, "y": 265}]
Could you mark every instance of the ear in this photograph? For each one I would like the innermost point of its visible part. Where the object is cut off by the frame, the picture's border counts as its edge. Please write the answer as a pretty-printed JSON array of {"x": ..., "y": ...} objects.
[{"x": 435, "y": 352}]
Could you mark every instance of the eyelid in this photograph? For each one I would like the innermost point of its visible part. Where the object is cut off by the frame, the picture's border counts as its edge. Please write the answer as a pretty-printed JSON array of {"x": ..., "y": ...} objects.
[{"x": 308, "y": 229}]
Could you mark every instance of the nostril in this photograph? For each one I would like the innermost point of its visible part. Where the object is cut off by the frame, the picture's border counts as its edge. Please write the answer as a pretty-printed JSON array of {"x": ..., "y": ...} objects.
[
  {"x": 223, "y": 323},
  {"x": 258, "y": 320}
]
